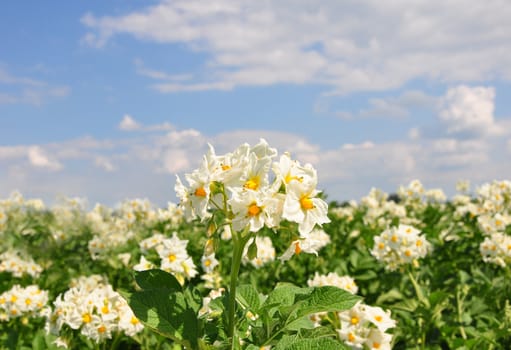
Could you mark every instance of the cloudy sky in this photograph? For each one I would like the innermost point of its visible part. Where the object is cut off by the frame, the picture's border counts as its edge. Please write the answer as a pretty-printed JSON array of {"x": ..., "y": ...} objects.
[{"x": 110, "y": 99}]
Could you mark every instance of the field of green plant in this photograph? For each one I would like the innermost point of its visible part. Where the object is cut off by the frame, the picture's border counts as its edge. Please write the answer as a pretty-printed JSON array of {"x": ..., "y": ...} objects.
[{"x": 253, "y": 258}]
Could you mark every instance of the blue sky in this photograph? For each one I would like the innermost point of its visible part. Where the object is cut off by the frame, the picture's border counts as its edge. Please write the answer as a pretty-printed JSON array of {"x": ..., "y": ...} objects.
[{"x": 110, "y": 99}]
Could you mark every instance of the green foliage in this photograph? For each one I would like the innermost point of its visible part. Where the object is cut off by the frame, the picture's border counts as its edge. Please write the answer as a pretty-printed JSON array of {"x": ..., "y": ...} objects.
[
  {"x": 451, "y": 300},
  {"x": 165, "y": 308}
]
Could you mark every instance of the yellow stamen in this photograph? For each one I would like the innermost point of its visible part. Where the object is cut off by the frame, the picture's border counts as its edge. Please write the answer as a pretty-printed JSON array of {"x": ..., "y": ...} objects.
[
  {"x": 105, "y": 309},
  {"x": 418, "y": 243},
  {"x": 207, "y": 263},
  {"x": 306, "y": 203},
  {"x": 252, "y": 184},
  {"x": 394, "y": 238},
  {"x": 101, "y": 329},
  {"x": 200, "y": 192},
  {"x": 225, "y": 167},
  {"x": 408, "y": 253},
  {"x": 253, "y": 210},
  {"x": 28, "y": 301},
  {"x": 351, "y": 337},
  {"x": 298, "y": 249},
  {"x": 354, "y": 320},
  {"x": 134, "y": 320},
  {"x": 381, "y": 245},
  {"x": 290, "y": 178},
  {"x": 86, "y": 318},
  {"x": 378, "y": 318},
  {"x": 376, "y": 345},
  {"x": 172, "y": 257}
]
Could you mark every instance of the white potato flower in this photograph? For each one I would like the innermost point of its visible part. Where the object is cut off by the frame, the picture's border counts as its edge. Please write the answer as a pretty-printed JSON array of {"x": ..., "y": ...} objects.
[
  {"x": 93, "y": 308},
  {"x": 400, "y": 245}
]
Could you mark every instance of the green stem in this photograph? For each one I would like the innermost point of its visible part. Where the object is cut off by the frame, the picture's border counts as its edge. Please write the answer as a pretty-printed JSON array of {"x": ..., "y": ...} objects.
[
  {"x": 459, "y": 308},
  {"x": 425, "y": 302},
  {"x": 239, "y": 240},
  {"x": 116, "y": 341},
  {"x": 418, "y": 290}
]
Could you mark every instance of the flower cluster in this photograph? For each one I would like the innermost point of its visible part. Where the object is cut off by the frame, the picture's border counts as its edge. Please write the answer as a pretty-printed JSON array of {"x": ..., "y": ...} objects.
[
  {"x": 333, "y": 279},
  {"x": 172, "y": 253},
  {"x": 114, "y": 228},
  {"x": 362, "y": 325},
  {"x": 415, "y": 193},
  {"x": 491, "y": 223},
  {"x": 400, "y": 245},
  {"x": 3, "y": 219},
  {"x": 379, "y": 210},
  {"x": 23, "y": 302},
  {"x": 14, "y": 212},
  {"x": 365, "y": 325},
  {"x": 11, "y": 262},
  {"x": 496, "y": 249},
  {"x": 94, "y": 308},
  {"x": 240, "y": 184},
  {"x": 68, "y": 217},
  {"x": 492, "y": 207},
  {"x": 110, "y": 231},
  {"x": 495, "y": 197}
]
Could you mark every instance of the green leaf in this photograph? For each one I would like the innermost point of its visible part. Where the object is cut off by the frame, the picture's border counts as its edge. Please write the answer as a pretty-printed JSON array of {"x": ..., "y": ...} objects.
[
  {"x": 326, "y": 298},
  {"x": 299, "y": 324},
  {"x": 193, "y": 299},
  {"x": 392, "y": 295},
  {"x": 252, "y": 347},
  {"x": 38, "y": 343},
  {"x": 248, "y": 297},
  {"x": 167, "y": 313},
  {"x": 295, "y": 343},
  {"x": 366, "y": 275},
  {"x": 156, "y": 279},
  {"x": 283, "y": 295},
  {"x": 318, "y": 332}
]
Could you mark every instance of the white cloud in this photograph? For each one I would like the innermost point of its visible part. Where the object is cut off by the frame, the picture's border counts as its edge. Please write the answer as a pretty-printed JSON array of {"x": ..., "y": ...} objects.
[
  {"x": 398, "y": 107},
  {"x": 414, "y": 134},
  {"x": 147, "y": 163},
  {"x": 176, "y": 161},
  {"x": 128, "y": 123},
  {"x": 40, "y": 159},
  {"x": 9, "y": 79},
  {"x": 104, "y": 163},
  {"x": 158, "y": 75},
  {"x": 12, "y": 152},
  {"x": 350, "y": 146},
  {"x": 349, "y": 46},
  {"x": 469, "y": 111},
  {"x": 454, "y": 153},
  {"x": 166, "y": 126},
  {"x": 23, "y": 90}
]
